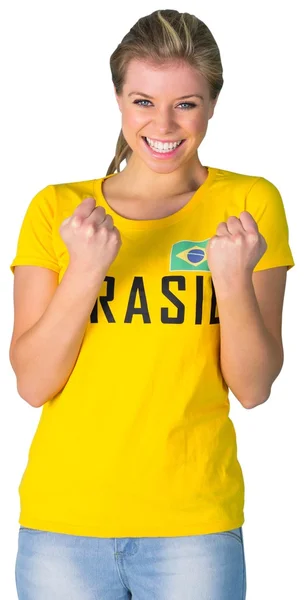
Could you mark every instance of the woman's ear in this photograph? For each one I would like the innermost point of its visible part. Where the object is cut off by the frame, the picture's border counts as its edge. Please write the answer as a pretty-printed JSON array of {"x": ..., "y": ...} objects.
[
  {"x": 212, "y": 107},
  {"x": 118, "y": 98}
]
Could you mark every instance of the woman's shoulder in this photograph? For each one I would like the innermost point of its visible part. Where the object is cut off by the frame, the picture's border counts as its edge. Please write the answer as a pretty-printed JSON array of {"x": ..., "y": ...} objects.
[
  {"x": 77, "y": 186},
  {"x": 244, "y": 182},
  {"x": 235, "y": 176}
]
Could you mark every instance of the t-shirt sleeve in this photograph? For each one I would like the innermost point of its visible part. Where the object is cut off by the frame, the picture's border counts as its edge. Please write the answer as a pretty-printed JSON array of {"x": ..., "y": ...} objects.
[
  {"x": 35, "y": 241},
  {"x": 265, "y": 204}
]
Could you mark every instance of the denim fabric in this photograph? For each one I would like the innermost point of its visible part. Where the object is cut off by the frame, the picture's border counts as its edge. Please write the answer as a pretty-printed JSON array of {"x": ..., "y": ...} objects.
[{"x": 56, "y": 566}]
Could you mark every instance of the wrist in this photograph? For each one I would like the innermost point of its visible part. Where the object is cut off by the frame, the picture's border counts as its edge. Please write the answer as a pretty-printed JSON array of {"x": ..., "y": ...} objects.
[
  {"x": 92, "y": 277},
  {"x": 236, "y": 283}
]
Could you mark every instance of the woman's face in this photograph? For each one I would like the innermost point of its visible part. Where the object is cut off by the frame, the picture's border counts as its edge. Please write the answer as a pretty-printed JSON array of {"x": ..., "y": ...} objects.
[{"x": 166, "y": 116}]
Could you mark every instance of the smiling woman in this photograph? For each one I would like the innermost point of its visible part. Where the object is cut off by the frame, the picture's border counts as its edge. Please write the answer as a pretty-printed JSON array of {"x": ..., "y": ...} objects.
[
  {"x": 161, "y": 119},
  {"x": 140, "y": 297}
]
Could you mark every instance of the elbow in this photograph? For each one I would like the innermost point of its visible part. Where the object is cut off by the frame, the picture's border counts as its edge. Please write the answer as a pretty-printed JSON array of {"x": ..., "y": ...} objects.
[
  {"x": 251, "y": 402},
  {"x": 248, "y": 399},
  {"x": 28, "y": 398},
  {"x": 35, "y": 399},
  {"x": 260, "y": 396},
  {"x": 32, "y": 398},
  {"x": 20, "y": 388}
]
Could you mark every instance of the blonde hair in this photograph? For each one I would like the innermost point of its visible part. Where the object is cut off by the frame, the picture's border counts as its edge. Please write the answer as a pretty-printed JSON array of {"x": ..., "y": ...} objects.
[{"x": 165, "y": 36}]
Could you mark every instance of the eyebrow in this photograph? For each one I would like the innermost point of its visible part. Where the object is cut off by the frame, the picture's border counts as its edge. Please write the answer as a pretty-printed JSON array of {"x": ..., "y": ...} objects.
[{"x": 181, "y": 97}]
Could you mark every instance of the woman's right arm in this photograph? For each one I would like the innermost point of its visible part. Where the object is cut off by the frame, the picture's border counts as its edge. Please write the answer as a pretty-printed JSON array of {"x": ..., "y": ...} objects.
[
  {"x": 50, "y": 322},
  {"x": 50, "y": 319}
]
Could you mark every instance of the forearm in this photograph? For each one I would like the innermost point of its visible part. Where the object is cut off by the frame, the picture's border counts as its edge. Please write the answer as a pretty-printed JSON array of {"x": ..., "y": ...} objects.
[
  {"x": 250, "y": 357},
  {"x": 44, "y": 356}
]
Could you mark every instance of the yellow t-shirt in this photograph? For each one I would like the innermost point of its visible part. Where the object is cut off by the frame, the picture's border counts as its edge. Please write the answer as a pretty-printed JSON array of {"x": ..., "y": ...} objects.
[{"x": 139, "y": 441}]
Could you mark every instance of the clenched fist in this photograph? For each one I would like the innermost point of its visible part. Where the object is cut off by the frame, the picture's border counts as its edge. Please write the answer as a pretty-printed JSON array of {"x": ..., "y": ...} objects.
[
  {"x": 236, "y": 248},
  {"x": 91, "y": 238}
]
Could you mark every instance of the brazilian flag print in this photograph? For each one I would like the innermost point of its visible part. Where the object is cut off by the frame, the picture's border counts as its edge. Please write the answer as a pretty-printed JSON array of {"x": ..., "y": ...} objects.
[{"x": 189, "y": 256}]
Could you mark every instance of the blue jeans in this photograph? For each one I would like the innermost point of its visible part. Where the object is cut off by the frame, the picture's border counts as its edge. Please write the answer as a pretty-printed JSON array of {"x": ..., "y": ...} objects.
[{"x": 56, "y": 566}]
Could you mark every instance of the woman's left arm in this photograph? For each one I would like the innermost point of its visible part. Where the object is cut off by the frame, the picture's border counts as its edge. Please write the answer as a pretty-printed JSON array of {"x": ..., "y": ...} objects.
[{"x": 250, "y": 311}]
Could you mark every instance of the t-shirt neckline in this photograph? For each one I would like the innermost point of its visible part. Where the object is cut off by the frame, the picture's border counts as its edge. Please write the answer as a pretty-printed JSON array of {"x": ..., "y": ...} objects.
[{"x": 149, "y": 224}]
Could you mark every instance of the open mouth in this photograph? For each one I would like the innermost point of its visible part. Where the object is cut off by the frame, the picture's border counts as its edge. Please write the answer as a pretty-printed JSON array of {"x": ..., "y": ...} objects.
[{"x": 158, "y": 152}]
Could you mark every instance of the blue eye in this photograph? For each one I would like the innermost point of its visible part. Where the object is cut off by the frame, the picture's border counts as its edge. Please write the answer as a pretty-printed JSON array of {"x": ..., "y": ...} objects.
[{"x": 189, "y": 104}]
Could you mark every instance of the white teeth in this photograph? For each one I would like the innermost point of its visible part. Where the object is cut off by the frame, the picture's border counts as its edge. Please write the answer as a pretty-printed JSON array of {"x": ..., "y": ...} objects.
[{"x": 159, "y": 146}]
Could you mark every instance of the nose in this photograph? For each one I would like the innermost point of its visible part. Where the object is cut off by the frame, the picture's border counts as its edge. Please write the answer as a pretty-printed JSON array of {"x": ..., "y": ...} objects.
[{"x": 164, "y": 121}]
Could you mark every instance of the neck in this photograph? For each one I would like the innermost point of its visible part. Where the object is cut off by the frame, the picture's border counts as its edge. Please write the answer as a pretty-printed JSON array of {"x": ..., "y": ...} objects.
[{"x": 141, "y": 181}]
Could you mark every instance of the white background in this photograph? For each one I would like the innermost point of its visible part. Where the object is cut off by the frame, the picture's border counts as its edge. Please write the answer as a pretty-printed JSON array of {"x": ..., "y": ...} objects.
[{"x": 60, "y": 123}]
